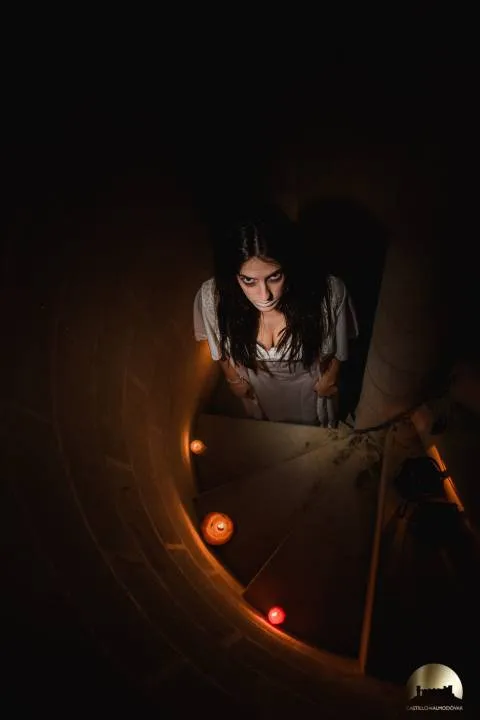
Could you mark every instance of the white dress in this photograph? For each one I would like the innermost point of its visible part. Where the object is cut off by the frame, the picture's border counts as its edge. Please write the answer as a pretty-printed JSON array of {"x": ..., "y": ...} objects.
[{"x": 283, "y": 395}]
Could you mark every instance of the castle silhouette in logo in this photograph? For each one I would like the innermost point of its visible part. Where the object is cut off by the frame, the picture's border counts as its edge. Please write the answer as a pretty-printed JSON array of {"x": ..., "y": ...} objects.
[{"x": 435, "y": 696}]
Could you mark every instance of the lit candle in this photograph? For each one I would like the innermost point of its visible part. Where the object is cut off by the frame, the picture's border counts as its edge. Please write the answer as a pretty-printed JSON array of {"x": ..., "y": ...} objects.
[
  {"x": 217, "y": 528},
  {"x": 197, "y": 447},
  {"x": 276, "y": 615}
]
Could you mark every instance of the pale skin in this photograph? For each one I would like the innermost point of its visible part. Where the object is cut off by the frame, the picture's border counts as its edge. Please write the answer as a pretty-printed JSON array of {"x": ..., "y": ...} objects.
[{"x": 262, "y": 281}]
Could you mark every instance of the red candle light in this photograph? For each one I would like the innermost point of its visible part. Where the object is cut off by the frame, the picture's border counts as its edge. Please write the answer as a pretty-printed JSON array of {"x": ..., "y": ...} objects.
[
  {"x": 276, "y": 615},
  {"x": 217, "y": 528},
  {"x": 197, "y": 447}
]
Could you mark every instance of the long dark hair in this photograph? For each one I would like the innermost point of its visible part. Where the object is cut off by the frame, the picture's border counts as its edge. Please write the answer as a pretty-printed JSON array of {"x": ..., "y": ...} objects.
[{"x": 267, "y": 233}]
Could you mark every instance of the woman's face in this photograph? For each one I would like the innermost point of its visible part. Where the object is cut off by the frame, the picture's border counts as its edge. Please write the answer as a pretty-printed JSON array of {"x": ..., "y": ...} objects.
[{"x": 262, "y": 282}]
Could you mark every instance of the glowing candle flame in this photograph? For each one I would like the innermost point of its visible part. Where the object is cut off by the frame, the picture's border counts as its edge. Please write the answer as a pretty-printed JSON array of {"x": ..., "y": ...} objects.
[
  {"x": 197, "y": 447},
  {"x": 217, "y": 528},
  {"x": 276, "y": 615}
]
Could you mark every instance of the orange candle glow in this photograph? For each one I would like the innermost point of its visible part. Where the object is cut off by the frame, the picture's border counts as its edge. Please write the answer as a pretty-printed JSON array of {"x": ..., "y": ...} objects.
[
  {"x": 217, "y": 528},
  {"x": 276, "y": 615},
  {"x": 197, "y": 447}
]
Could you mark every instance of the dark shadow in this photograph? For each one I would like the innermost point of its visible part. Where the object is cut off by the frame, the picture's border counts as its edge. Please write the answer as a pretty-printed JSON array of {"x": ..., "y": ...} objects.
[{"x": 346, "y": 240}]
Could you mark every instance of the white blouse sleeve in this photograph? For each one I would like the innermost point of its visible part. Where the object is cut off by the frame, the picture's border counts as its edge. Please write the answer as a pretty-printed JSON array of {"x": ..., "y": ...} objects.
[
  {"x": 346, "y": 325},
  {"x": 205, "y": 324}
]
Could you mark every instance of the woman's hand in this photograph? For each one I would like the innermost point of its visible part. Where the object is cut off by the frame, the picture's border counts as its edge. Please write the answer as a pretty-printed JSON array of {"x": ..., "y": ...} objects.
[
  {"x": 242, "y": 390},
  {"x": 324, "y": 387}
]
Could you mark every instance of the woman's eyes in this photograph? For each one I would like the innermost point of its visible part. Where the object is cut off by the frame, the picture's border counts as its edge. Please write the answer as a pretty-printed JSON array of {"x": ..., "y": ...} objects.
[{"x": 273, "y": 278}]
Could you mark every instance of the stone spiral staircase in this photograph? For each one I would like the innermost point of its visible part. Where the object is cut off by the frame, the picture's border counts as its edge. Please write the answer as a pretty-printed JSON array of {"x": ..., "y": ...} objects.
[{"x": 321, "y": 531}]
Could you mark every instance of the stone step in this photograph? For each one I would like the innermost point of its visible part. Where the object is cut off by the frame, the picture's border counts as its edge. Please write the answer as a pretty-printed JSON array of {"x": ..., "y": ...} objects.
[
  {"x": 237, "y": 447},
  {"x": 320, "y": 571},
  {"x": 264, "y": 504}
]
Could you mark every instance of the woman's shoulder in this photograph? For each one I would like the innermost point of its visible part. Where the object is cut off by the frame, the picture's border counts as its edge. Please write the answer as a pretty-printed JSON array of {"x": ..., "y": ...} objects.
[
  {"x": 337, "y": 287},
  {"x": 207, "y": 295},
  {"x": 208, "y": 286}
]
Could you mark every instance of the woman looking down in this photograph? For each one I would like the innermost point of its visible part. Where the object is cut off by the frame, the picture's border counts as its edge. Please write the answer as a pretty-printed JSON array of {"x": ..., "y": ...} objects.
[{"x": 278, "y": 325}]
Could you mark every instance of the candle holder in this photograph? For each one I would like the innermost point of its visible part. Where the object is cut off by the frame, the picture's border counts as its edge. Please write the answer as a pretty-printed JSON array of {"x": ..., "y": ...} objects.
[{"x": 217, "y": 528}]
